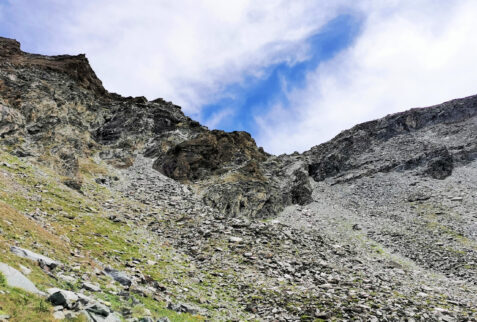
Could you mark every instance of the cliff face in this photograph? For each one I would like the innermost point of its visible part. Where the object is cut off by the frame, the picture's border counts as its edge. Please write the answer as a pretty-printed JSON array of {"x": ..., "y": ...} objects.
[
  {"x": 76, "y": 67},
  {"x": 376, "y": 224},
  {"x": 56, "y": 109}
]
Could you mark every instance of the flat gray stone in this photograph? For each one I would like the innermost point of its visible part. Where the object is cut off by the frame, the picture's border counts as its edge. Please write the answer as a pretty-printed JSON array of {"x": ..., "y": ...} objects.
[
  {"x": 119, "y": 276},
  {"x": 91, "y": 287},
  {"x": 25, "y": 253},
  {"x": 15, "y": 278}
]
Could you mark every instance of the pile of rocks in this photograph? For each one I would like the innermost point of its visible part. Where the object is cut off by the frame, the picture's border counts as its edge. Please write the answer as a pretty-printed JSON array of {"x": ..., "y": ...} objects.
[{"x": 69, "y": 305}]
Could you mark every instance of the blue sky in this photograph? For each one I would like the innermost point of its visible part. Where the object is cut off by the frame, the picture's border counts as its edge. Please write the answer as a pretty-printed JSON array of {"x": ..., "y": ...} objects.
[
  {"x": 253, "y": 96},
  {"x": 293, "y": 73}
]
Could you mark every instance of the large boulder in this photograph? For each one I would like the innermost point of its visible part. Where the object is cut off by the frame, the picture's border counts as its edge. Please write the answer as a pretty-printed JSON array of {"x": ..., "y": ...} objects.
[
  {"x": 16, "y": 279},
  {"x": 25, "y": 253},
  {"x": 64, "y": 298}
]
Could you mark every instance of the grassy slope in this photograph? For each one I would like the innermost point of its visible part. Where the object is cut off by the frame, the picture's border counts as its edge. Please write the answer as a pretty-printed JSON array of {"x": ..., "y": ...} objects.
[{"x": 69, "y": 222}]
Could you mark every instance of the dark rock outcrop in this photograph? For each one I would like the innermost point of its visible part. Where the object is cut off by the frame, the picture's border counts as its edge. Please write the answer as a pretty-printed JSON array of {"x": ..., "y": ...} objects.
[
  {"x": 430, "y": 139},
  {"x": 212, "y": 153}
]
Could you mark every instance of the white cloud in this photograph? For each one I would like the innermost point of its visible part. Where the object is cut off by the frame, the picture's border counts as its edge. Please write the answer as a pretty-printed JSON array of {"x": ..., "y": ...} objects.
[
  {"x": 186, "y": 51},
  {"x": 407, "y": 55}
]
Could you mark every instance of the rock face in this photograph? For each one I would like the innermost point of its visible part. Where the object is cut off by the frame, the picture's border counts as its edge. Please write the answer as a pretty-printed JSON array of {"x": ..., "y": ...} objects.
[
  {"x": 429, "y": 140},
  {"x": 76, "y": 67},
  {"x": 212, "y": 153},
  {"x": 56, "y": 109}
]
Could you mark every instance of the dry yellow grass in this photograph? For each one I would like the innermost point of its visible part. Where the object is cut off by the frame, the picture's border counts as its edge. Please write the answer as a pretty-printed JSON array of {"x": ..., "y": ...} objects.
[{"x": 19, "y": 224}]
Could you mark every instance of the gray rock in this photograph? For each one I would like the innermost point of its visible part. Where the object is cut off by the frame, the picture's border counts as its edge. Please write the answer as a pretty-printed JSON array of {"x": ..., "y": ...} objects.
[
  {"x": 91, "y": 287},
  {"x": 164, "y": 319},
  {"x": 4, "y": 317},
  {"x": 121, "y": 277},
  {"x": 16, "y": 279},
  {"x": 67, "y": 278},
  {"x": 113, "y": 317},
  {"x": 25, "y": 253},
  {"x": 59, "y": 315},
  {"x": 235, "y": 239},
  {"x": 98, "y": 309},
  {"x": 145, "y": 319},
  {"x": 183, "y": 308},
  {"x": 65, "y": 298},
  {"x": 92, "y": 317}
]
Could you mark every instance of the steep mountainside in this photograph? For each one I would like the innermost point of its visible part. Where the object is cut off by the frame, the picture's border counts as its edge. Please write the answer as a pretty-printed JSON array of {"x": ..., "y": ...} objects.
[{"x": 118, "y": 208}]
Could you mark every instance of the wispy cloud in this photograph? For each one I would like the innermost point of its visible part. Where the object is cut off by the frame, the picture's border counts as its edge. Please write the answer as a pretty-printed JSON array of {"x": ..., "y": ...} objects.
[
  {"x": 187, "y": 51},
  {"x": 218, "y": 116},
  {"x": 197, "y": 53},
  {"x": 407, "y": 55}
]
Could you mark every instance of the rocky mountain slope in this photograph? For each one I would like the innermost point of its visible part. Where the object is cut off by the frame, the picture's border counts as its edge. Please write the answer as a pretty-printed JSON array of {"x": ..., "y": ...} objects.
[{"x": 118, "y": 208}]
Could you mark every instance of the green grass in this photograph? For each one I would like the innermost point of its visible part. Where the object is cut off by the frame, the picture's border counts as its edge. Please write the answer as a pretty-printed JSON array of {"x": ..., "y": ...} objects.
[
  {"x": 3, "y": 281},
  {"x": 26, "y": 187},
  {"x": 23, "y": 306}
]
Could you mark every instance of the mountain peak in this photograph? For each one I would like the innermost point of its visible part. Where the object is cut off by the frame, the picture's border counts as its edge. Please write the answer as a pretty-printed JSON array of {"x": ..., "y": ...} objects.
[{"x": 76, "y": 67}]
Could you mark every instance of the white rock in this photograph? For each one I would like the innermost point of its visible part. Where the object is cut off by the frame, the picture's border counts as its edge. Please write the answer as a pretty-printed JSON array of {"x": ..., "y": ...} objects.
[
  {"x": 25, "y": 270},
  {"x": 59, "y": 315},
  {"x": 235, "y": 239}
]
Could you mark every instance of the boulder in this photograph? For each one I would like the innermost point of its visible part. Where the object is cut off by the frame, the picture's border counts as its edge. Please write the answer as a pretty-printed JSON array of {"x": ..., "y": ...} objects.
[
  {"x": 98, "y": 309},
  {"x": 15, "y": 278},
  {"x": 120, "y": 277},
  {"x": 67, "y": 299},
  {"x": 25, "y": 253},
  {"x": 91, "y": 287}
]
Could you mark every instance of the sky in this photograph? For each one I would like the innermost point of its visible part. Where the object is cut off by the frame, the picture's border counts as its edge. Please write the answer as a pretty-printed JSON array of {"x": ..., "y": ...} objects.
[{"x": 292, "y": 73}]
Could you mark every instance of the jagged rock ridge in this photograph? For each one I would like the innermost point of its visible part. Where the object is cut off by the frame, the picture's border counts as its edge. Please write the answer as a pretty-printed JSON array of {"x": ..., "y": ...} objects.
[{"x": 80, "y": 118}]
